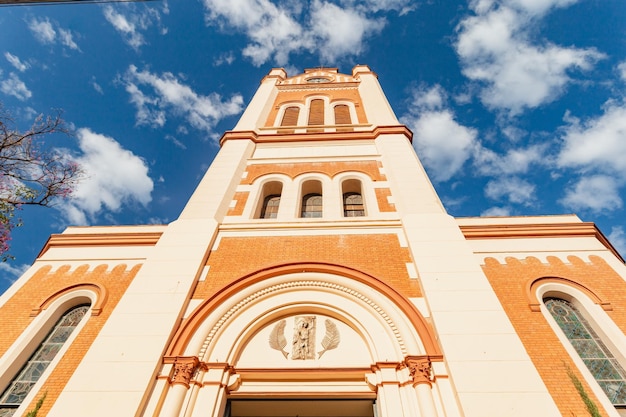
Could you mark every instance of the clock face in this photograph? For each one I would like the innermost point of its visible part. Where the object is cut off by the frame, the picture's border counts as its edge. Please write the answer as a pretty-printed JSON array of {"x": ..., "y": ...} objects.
[{"x": 318, "y": 80}]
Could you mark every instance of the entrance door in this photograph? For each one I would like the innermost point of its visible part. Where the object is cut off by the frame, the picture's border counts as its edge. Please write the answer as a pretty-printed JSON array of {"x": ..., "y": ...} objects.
[{"x": 300, "y": 408}]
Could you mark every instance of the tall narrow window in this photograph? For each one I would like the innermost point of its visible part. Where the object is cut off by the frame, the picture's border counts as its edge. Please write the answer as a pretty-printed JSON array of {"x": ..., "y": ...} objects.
[
  {"x": 352, "y": 199},
  {"x": 28, "y": 376},
  {"x": 290, "y": 118},
  {"x": 594, "y": 353},
  {"x": 342, "y": 117},
  {"x": 270, "y": 207},
  {"x": 312, "y": 201},
  {"x": 316, "y": 114}
]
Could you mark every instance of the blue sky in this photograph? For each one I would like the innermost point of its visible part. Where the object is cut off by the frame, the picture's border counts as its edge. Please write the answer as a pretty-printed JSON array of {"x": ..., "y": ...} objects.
[{"x": 517, "y": 106}]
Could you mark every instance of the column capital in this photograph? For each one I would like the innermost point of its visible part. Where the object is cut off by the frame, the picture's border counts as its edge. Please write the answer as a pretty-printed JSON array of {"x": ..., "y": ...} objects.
[
  {"x": 420, "y": 369},
  {"x": 184, "y": 369}
]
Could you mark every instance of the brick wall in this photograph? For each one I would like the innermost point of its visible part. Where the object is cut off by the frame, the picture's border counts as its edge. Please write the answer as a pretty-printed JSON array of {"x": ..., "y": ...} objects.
[
  {"x": 379, "y": 255},
  {"x": 510, "y": 281},
  {"x": 370, "y": 168},
  {"x": 15, "y": 316}
]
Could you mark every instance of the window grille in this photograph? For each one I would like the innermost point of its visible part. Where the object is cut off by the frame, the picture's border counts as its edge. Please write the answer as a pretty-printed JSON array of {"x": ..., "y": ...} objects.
[
  {"x": 312, "y": 205},
  {"x": 270, "y": 207},
  {"x": 353, "y": 205}
]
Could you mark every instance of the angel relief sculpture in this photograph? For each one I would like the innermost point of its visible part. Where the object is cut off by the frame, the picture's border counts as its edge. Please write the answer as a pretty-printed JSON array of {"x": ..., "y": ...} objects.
[{"x": 303, "y": 340}]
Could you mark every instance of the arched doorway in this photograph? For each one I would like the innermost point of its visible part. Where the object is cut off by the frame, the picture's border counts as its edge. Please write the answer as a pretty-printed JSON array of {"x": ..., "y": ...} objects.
[{"x": 298, "y": 338}]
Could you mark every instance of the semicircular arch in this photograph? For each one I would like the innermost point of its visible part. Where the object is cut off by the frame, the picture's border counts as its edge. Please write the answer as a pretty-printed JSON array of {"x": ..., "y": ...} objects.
[{"x": 254, "y": 300}]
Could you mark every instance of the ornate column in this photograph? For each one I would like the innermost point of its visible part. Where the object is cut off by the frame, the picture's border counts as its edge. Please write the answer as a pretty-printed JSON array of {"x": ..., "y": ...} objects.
[
  {"x": 384, "y": 380},
  {"x": 214, "y": 383},
  {"x": 420, "y": 370},
  {"x": 184, "y": 368}
]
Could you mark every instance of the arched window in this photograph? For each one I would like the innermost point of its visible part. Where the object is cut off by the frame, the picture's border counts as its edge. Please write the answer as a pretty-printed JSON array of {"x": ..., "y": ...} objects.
[
  {"x": 312, "y": 201},
  {"x": 290, "y": 118},
  {"x": 342, "y": 117},
  {"x": 269, "y": 200},
  {"x": 353, "y": 205},
  {"x": 316, "y": 114},
  {"x": 592, "y": 350},
  {"x": 312, "y": 205},
  {"x": 30, "y": 373},
  {"x": 352, "y": 199},
  {"x": 270, "y": 207}
]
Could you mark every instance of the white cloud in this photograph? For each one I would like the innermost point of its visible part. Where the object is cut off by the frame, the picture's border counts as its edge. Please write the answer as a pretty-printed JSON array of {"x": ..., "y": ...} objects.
[
  {"x": 168, "y": 93},
  {"x": 340, "y": 30},
  {"x": 515, "y": 161},
  {"x": 539, "y": 7},
  {"x": 513, "y": 189},
  {"x": 16, "y": 62},
  {"x": 114, "y": 176},
  {"x": 125, "y": 27},
  {"x": 147, "y": 111},
  {"x": 129, "y": 21},
  {"x": 617, "y": 237},
  {"x": 176, "y": 142},
  {"x": 276, "y": 29},
  {"x": 274, "y": 32},
  {"x": 66, "y": 38},
  {"x": 45, "y": 32},
  {"x": 96, "y": 86},
  {"x": 495, "y": 49},
  {"x": 226, "y": 58},
  {"x": 597, "y": 144},
  {"x": 15, "y": 87},
  {"x": 496, "y": 211},
  {"x": 12, "y": 272},
  {"x": 596, "y": 193},
  {"x": 442, "y": 144},
  {"x": 621, "y": 68}
]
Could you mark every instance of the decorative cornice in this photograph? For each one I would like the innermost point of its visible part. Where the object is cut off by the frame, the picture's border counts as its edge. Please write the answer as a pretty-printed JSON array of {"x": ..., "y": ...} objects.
[
  {"x": 332, "y": 85},
  {"x": 101, "y": 239},
  {"x": 538, "y": 230},
  {"x": 320, "y": 136}
]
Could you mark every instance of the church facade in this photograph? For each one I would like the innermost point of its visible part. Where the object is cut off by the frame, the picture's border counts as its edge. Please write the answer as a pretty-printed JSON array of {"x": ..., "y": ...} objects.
[{"x": 314, "y": 272}]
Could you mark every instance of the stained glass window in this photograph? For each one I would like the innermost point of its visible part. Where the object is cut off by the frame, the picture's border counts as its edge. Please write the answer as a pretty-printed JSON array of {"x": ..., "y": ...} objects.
[
  {"x": 594, "y": 353},
  {"x": 28, "y": 376}
]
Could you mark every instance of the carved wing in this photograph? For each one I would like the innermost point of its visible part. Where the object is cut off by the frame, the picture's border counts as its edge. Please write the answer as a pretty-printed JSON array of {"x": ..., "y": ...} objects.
[
  {"x": 331, "y": 338},
  {"x": 278, "y": 340}
]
